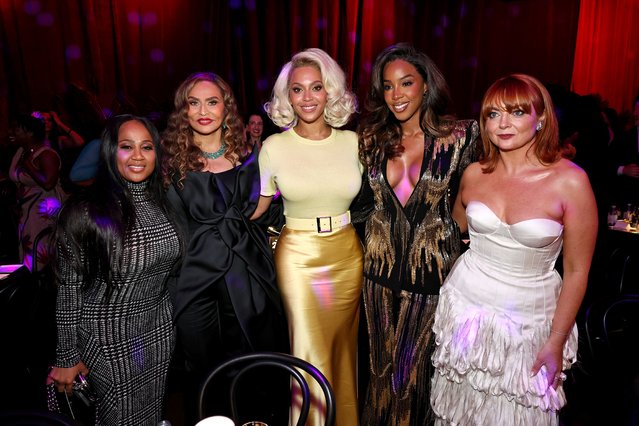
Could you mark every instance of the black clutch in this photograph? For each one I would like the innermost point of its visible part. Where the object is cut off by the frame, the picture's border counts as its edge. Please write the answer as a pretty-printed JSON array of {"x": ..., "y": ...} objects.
[{"x": 80, "y": 405}]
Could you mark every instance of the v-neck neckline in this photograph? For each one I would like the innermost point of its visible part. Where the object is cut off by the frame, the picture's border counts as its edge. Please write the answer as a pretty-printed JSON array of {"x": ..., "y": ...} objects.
[{"x": 428, "y": 147}]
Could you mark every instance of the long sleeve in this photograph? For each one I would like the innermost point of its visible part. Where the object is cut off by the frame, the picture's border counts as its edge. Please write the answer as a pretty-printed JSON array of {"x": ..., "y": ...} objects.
[
  {"x": 364, "y": 203},
  {"x": 68, "y": 309}
]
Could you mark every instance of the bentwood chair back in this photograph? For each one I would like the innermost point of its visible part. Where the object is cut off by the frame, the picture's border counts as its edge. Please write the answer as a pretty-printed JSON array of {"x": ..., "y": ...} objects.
[
  {"x": 245, "y": 363},
  {"x": 622, "y": 271}
]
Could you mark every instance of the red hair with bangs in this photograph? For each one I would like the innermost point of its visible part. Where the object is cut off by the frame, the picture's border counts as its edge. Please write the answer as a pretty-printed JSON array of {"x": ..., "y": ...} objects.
[{"x": 521, "y": 91}]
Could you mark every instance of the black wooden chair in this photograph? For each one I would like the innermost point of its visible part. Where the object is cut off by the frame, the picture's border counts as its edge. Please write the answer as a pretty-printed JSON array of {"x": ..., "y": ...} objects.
[
  {"x": 612, "y": 332},
  {"x": 245, "y": 363},
  {"x": 622, "y": 271}
]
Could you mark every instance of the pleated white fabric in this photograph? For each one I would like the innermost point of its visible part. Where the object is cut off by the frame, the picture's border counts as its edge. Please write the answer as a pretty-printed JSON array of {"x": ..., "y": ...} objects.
[{"x": 494, "y": 315}]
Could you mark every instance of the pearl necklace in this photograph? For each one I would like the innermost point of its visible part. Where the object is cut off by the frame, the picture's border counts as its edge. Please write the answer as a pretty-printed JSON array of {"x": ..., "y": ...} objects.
[{"x": 214, "y": 155}]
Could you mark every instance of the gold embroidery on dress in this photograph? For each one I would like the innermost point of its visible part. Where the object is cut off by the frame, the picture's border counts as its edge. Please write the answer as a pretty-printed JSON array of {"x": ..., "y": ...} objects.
[
  {"x": 431, "y": 246},
  {"x": 432, "y": 232},
  {"x": 380, "y": 252}
]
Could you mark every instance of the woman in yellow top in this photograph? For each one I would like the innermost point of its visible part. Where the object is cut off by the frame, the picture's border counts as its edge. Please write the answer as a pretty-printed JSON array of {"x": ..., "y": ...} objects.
[{"x": 318, "y": 257}]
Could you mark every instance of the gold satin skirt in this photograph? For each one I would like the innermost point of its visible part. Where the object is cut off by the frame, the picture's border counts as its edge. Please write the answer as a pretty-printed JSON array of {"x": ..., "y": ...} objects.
[{"x": 320, "y": 280}]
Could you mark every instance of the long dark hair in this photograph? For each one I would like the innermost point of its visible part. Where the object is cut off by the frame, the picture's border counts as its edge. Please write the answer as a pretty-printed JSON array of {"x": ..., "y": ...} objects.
[
  {"x": 92, "y": 224},
  {"x": 380, "y": 134}
]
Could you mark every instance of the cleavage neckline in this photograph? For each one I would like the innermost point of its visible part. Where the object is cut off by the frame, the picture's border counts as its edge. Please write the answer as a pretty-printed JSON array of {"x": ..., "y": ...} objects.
[{"x": 508, "y": 225}]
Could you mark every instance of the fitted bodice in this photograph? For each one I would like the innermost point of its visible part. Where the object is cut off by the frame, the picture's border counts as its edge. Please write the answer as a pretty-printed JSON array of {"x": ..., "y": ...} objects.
[{"x": 528, "y": 247}]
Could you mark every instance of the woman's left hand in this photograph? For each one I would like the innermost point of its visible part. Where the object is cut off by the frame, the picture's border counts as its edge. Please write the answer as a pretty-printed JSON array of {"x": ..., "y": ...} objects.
[
  {"x": 550, "y": 356},
  {"x": 63, "y": 377}
]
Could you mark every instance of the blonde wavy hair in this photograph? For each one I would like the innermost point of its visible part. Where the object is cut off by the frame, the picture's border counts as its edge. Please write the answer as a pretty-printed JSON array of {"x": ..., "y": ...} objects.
[
  {"x": 181, "y": 154},
  {"x": 341, "y": 102}
]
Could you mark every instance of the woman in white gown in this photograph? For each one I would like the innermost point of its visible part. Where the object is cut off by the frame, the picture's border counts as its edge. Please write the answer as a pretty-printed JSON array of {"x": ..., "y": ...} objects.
[{"x": 505, "y": 321}]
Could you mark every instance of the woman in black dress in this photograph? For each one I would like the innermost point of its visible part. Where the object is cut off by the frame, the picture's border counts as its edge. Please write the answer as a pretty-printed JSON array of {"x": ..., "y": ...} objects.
[
  {"x": 116, "y": 246},
  {"x": 225, "y": 298}
]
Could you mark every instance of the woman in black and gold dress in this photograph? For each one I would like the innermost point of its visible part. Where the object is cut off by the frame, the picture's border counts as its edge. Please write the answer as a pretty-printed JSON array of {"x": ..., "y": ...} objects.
[
  {"x": 116, "y": 247},
  {"x": 414, "y": 152}
]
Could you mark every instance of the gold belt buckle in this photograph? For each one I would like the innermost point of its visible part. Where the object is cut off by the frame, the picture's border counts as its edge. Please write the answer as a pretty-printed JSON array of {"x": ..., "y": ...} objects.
[{"x": 324, "y": 224}]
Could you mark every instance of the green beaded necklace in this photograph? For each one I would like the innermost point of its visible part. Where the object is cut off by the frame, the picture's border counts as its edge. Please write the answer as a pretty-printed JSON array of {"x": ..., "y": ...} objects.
[{"x": 214, "y": 155}]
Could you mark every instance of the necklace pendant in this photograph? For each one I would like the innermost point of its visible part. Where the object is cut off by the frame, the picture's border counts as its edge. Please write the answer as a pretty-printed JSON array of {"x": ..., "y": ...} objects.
[{"x": 214, "y": 155}]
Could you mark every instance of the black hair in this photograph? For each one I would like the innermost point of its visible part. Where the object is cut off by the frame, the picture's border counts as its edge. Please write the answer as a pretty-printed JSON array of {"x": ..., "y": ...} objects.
[
  {"x": 32, "y": 125},
  {"x": 92, "y": 224},
  {"x": 379, "y": 132}
]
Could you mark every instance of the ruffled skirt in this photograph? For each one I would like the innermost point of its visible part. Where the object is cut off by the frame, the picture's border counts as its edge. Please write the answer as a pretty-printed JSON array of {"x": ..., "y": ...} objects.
[{"x": 482, "y": 366}]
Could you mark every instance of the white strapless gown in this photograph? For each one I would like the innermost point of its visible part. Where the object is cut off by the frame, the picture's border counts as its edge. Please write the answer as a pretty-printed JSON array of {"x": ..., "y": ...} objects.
[{"x": 494, "y": 315}]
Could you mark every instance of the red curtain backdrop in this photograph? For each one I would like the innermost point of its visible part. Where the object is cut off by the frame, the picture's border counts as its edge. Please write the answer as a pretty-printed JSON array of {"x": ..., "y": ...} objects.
[
  {"x": 607, "y": 51},
  {"x": 135, "y": 52}
]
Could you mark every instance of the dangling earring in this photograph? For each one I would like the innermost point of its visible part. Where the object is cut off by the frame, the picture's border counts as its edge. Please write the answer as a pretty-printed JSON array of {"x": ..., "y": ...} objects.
[
  {"x": 223, "y": 126},
  {"x": 539, "y": 126}
]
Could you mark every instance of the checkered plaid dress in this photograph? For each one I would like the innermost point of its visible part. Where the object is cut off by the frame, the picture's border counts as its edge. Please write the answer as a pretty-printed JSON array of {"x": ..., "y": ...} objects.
[{"x": 126, "y": 342}]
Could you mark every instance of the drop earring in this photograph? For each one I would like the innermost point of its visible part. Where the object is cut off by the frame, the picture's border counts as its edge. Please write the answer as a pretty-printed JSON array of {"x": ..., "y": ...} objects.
[{"x": 539, "y": 126}]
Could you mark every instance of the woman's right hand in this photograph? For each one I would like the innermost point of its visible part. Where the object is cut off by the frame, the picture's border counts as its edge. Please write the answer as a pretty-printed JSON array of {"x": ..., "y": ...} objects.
[{"x": 64, "y": 377}]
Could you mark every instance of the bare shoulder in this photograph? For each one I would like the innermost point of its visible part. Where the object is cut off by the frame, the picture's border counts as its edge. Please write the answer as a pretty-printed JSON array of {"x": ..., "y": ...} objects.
[
  {"x": 473, "y": 171},
  {"x": 570, "y": 175}
]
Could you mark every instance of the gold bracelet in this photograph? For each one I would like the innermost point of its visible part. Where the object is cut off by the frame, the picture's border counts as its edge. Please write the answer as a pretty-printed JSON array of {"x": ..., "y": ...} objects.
[{"x": 559, "y": 332}]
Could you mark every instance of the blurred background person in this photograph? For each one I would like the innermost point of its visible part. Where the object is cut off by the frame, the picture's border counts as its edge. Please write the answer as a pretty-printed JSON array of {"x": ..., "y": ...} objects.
[
  {"x": 35, "y": 169},
  {"x": 625, "y": 159},
  {"x": 58, "y": 135},
  {"x": 116, "y": 246},
  {"x": 254, "y": 130}
]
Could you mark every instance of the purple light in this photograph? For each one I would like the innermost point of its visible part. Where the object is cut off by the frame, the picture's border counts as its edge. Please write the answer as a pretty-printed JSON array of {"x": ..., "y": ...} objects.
[
  {"x": 45, "y": 19},
  {"x": 321, "y": 23},
  {"x": 137, "y": 352},
  {"x": 323, "y": 288},
  {"x": 73, "y": 52},
  {"x": 49, "y": 207},
  {"x": 463, "y": 10},
  {"x": 32, "y": 7},
  {"x": 352, "y": 36},
  {"x": 249, "y": 5},
  {"x": 235, "y": 4},
  {"x": 389, "y": 35},
  {"x": 157, "y": 55},
  {"x": 262, "y": 84},
  {"x": 28, "y": 261},
  {"x": 149, "y": 19},
  {"x": 133, "y": 17},
  {"x": 103, "y": 222}
]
